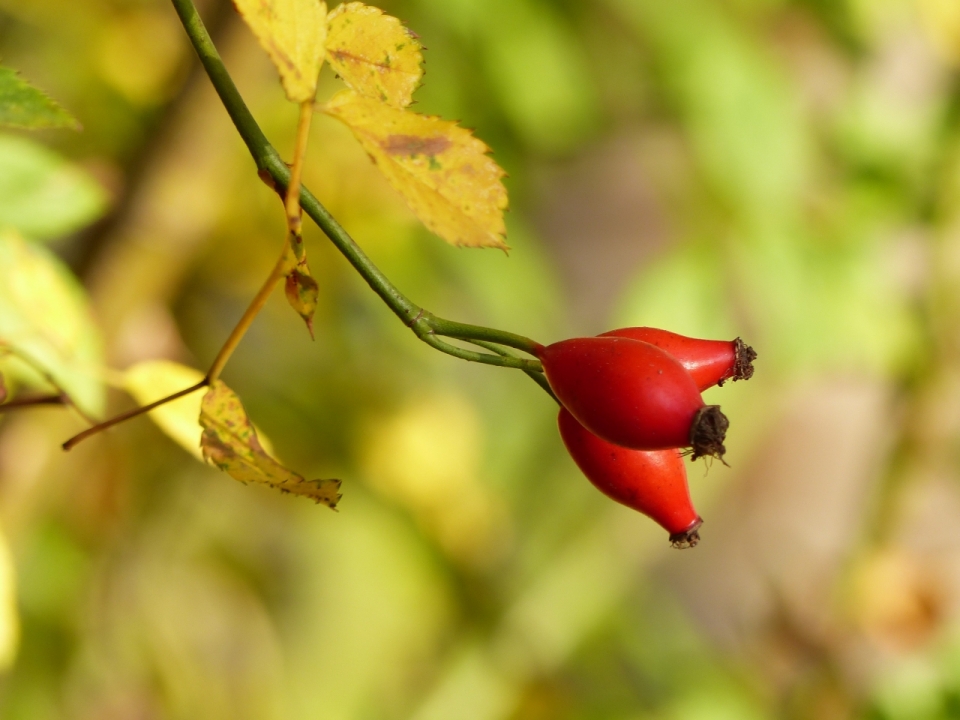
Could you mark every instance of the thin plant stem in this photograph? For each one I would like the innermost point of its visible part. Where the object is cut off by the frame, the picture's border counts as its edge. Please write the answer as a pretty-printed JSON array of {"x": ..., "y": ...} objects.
[
  {"x": 499, "y": 360},
  {"x": 292, "y": 200},
  {"x": 33, "y": 401},
  {"x": 216, "y": 368},
  {"x": 538, "y": 377},
  {"x": 259, "y": 300},
  {"x": 64, "y": 396},
  {"x": 117, "y": 419}
]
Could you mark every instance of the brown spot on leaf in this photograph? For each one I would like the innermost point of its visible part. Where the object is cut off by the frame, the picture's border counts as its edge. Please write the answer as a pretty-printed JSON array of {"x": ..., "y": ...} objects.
[{"x": 415, "y": 145}]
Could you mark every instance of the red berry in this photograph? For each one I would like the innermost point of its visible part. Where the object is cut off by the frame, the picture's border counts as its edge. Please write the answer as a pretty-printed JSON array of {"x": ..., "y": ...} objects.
[
  {"x": 651, "y": 482},
  {"x": 632, "y": 394},
  {"x": 709, "y": 362}
]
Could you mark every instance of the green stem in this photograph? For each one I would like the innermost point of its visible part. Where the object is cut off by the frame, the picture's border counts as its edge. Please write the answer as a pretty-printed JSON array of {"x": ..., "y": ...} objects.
[
  {"x": 273, "y": 170},
  {"x": 538, "y": 377}
]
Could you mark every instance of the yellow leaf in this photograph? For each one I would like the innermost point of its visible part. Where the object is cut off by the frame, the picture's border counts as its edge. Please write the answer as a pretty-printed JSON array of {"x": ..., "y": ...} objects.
[
  {"x": 293, "y": 33},
  {"x": 9, "y": 618},
  {"x": 150, "y": 380},
  {"x": 230, "y": 442},
  {"x": 373, "y": 53},
  {"x": 442, "y": 171},
  {"x": 154, "y": 379}
]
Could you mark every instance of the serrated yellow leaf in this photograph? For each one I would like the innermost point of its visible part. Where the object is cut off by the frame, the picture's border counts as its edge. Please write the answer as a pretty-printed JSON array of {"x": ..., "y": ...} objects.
[
  {"x": 373, "y": 53},
  {"x": 230, "y": 442},
  {"x": 442, "y": 171},
  {"x": 293, "y": 33}
]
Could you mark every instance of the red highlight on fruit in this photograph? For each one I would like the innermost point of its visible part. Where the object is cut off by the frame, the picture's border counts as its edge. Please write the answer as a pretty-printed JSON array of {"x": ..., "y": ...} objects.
[
  {"x": 633, "y": 394},
  {"x": 709, "y": 362},
  {"x": 651, "y": 482}
]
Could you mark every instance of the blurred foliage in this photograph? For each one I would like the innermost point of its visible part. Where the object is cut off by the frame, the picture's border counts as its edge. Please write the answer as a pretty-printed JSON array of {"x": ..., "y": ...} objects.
[{"x": 783, "y": 170}]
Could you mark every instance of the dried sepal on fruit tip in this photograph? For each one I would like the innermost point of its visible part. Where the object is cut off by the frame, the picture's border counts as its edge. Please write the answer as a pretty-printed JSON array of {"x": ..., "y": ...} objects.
[
  {"x": 743, "y": 365},
  {"x": 688, "y": 538},
  {"x": 708, "y": 431}
]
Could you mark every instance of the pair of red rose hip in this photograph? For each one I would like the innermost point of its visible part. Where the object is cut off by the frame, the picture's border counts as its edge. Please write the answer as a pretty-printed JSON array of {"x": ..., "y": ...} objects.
[{"x": 630, "y": 401}]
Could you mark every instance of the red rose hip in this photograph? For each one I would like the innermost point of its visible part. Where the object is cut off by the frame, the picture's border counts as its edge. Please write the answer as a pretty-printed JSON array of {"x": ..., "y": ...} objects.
[
  {"x": 709, "y": 362},
  {"x": 632, "y": 394},
  {"x": 652, "y": 482}
]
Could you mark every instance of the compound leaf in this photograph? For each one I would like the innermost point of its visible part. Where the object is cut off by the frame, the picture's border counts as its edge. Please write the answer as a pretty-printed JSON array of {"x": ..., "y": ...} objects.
[
  {"x": 24, "y": 106},
  {"x": 41, "y": 194},
  {"x": 293, "y": 33},
  {"x": 442, "y": 171},
  {"x": 373, "y": 53},
  {"x": 45, "y": 316},
  {"x": 230, "y": 442}
]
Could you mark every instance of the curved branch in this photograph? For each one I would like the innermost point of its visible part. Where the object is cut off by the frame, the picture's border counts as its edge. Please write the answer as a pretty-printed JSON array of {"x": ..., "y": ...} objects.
[{"x": 275, "y": 172}]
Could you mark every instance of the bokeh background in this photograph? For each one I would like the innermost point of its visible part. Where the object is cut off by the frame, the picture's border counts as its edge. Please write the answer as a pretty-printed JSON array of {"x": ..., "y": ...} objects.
[{"x": 783, "y": 170}]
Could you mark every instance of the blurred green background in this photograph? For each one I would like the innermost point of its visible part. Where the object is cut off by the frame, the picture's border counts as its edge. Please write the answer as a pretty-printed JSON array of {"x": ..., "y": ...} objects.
[{"x": 783, "y": 170}]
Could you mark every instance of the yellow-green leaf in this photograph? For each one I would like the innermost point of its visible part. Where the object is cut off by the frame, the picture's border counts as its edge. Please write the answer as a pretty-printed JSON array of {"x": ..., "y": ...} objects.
[
  {"x": 45, "y": 316},
  {"x": 24, "y": 106},
  {"x": 293, "y": 33},
  {"x": 373, "y": 53},
  {"x": 3, "y": 389},
  {"x": 230, "y": 442},
  {"x": 442, "y": 171},
  {"x": 43, "y": 195},
  {"x": 151, "y": 380}
]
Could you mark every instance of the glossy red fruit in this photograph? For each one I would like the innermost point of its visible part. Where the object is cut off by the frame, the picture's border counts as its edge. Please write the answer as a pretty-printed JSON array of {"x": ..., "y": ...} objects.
[
  {"x": 632, "y": 394},
  {"x": 709, "y": 362},
  {"x": 653, "y": 482}
]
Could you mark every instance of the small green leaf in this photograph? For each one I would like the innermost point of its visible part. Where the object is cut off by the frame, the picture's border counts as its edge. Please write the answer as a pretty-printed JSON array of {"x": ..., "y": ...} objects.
[
  {"x": 45, "y": 316},
  {"x": 230, "y": 442},
  {"x": 24, "y": 106},
  {"x": 41, "y": 194}
]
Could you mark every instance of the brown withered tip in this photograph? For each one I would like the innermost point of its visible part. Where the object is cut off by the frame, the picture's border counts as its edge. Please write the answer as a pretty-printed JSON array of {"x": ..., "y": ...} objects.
[
  {"x": 743, "y": 363},
  {"x": 708, "y": 431},
  {"x": 689, "y": 538}
]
